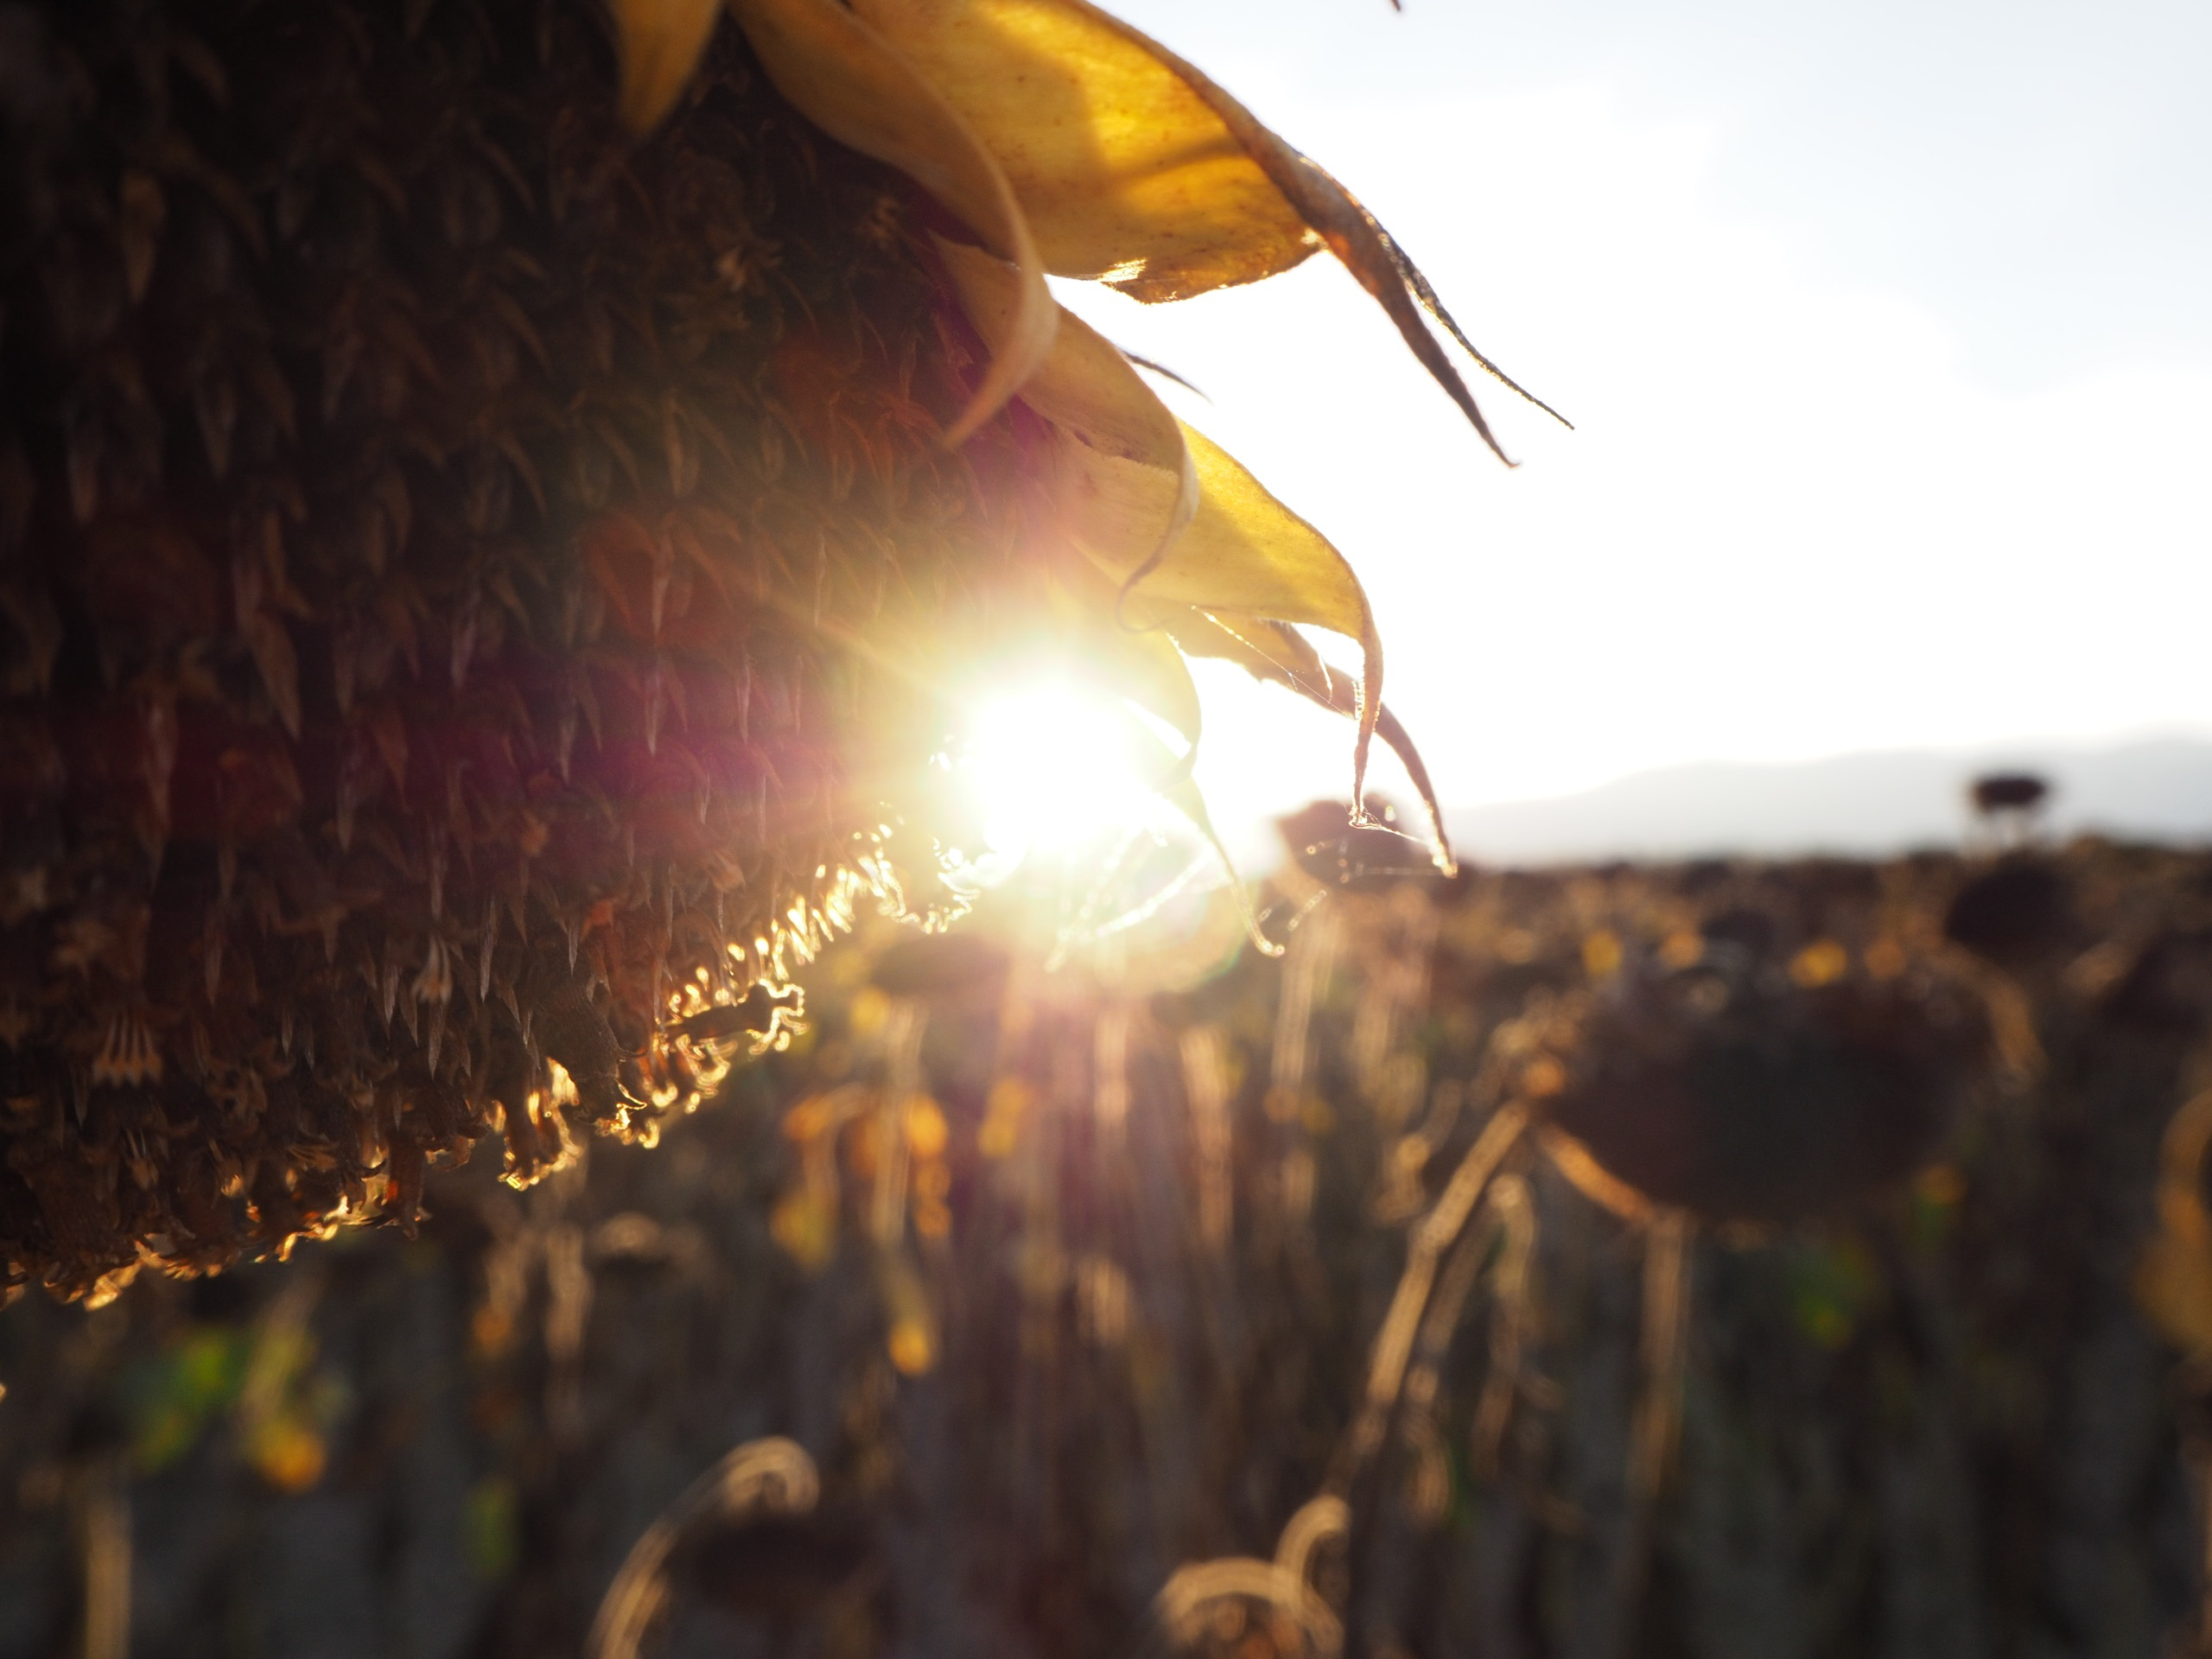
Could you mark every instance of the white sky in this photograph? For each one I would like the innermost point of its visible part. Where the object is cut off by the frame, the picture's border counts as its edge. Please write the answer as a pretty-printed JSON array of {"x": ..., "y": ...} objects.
[{"x": 1886, "y": 326}]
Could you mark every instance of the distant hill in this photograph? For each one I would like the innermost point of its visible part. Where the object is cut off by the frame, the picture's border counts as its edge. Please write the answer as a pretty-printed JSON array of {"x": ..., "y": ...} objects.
[{"x": 1876, "y": 803}]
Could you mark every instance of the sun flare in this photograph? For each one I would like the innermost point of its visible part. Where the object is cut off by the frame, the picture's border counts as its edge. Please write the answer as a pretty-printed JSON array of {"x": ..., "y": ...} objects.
[{"x": 1054, "y": 766}]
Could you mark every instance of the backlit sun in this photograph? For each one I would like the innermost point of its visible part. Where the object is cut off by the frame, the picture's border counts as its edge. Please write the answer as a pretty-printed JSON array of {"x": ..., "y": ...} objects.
[{"x": 1055, "y": 766}]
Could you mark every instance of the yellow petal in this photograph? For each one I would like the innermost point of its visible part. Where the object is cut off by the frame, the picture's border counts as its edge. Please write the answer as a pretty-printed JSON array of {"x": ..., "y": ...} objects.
[
  {"x": 1083, "y": 382},
  {"x": 1134, "y": 166},
  {"x": 1244, "y": 551},
  {"x": 1266, "y": 650},
  {"x": 659, "y": 42},
  {"x": 1357, "y": 237},
  {"x": 847, "y": 80},
  {"x": 1154, "y": 503},
  {"x": 1085, "y": 387},
  {"x": 1125, "y": 171}
]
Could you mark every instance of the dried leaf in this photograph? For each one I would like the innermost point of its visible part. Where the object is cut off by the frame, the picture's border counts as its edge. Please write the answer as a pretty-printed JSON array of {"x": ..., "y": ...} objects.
[{"x": 846, "y": 79}]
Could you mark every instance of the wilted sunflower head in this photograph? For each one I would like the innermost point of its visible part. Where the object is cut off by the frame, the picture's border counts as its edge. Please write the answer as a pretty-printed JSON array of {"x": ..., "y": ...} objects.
[
  {"x": 1757, "y": 1055},
  {"x": 499, "y": 515}
]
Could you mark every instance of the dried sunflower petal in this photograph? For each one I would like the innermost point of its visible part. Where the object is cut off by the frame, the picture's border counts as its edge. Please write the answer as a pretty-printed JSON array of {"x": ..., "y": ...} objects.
[
  {"x": 1243, "y": 552},
  {"x": 1130, "y": 473},
  {"x": 1125, "y": 171},
  {"x": 850, "y": 82},
  {"x": 1086, "y": 388},
  {"x": 1134, "y": 166}
]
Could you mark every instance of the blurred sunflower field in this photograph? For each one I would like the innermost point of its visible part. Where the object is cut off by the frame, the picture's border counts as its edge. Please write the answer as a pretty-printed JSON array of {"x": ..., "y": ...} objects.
[{"x": 1709, "y": 1259}]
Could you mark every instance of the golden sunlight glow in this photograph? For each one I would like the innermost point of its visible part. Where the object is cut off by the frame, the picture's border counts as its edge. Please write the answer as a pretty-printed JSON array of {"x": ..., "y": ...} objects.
[{"x": 1054, "y": 766}]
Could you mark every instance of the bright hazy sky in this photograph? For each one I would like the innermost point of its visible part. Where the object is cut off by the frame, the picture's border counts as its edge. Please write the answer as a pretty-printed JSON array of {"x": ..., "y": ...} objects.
[{"x": 1886, "y": 326}]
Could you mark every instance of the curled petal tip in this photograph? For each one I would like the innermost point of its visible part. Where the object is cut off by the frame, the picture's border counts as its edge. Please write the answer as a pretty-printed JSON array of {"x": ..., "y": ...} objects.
[{"x": 660, "y": 42}]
